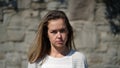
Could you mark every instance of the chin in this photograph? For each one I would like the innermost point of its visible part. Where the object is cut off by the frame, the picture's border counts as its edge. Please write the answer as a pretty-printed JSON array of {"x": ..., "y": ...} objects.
[{"x": 60, "y": 45}]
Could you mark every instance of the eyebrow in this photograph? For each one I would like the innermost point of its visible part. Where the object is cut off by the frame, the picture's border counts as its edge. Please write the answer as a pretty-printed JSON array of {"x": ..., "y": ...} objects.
[{"x": 59, "y": 29}]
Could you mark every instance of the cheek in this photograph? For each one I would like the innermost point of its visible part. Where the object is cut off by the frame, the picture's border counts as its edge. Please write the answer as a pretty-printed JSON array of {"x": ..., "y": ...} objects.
[
  {"x": 67, "y": 34},
  {"x": 50, "y": 37},
  {"x": 65, "y": 37}
]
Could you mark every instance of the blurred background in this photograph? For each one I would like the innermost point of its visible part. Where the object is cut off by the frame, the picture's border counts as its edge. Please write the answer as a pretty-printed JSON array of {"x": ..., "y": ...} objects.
[{"x": 96, "y": 25}]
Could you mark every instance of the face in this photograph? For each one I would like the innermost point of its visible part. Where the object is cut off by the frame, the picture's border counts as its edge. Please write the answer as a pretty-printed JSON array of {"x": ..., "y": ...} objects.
[{"x": 57, "y": 33}]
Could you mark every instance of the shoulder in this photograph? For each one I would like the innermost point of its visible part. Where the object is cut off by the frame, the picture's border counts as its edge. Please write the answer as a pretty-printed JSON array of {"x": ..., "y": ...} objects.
[
  {"x": 79, "y": 59},
  {"x": 78, "y": 55},
  {"x": 31, "y": 65}
]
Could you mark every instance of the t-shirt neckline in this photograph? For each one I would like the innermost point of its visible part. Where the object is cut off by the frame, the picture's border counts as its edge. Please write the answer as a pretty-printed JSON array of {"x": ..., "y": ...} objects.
[{"x": 54, "y": 58}]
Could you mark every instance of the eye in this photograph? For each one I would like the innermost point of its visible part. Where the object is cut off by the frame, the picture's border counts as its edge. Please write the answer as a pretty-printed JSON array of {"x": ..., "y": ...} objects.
[
  {"x": 63, "y": 30},
  {"x": 53, "y": 31}
]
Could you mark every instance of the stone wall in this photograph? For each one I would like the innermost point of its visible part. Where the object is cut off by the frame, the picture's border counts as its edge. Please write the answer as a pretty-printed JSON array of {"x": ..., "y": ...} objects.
[{"x": 93, "y": 35}]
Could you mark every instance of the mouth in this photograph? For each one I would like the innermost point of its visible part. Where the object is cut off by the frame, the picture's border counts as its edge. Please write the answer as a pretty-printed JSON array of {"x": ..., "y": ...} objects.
[{"x": 60, "y": 42}]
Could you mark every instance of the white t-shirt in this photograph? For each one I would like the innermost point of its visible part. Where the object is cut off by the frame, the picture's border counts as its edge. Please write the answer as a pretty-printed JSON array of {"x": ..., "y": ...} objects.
[{"x": 73, "y": 60}]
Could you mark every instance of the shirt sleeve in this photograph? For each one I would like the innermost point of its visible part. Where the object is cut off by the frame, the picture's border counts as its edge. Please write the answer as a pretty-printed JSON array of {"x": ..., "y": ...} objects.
[{"x": 85, "y": 62}]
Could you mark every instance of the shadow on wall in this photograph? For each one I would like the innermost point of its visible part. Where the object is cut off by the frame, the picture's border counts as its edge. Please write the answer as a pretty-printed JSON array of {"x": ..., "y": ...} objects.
[{"x": 113, "y": 15}]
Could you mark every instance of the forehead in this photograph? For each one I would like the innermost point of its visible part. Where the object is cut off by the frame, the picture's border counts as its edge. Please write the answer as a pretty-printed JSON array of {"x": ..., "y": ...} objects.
[{"x": 56, "y": 24}]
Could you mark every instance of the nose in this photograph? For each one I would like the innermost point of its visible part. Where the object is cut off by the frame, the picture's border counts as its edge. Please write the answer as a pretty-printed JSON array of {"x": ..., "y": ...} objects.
[{"x": 59, "y": 35}]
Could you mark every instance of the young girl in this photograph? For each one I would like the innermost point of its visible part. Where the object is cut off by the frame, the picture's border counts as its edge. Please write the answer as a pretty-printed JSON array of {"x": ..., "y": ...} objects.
[{"x": 53, "y": 46}]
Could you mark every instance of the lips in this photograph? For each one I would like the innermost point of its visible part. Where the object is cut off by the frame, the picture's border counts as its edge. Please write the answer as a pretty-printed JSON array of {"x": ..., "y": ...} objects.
[{"x": 59, "y": 42}]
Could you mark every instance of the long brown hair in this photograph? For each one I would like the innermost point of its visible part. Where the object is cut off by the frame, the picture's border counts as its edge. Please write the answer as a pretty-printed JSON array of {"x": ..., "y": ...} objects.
[{"x": 41, "y": 45}]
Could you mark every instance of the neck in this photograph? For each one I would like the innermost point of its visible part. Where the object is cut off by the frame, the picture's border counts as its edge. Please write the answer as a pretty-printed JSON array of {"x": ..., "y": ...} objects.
[{"x": 59, "y": 52}]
